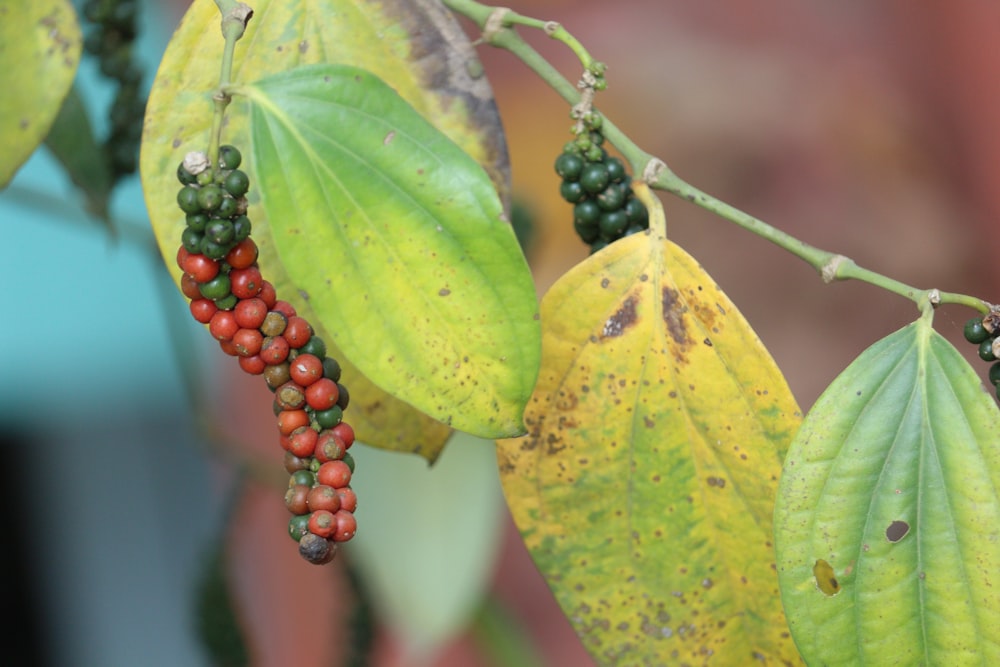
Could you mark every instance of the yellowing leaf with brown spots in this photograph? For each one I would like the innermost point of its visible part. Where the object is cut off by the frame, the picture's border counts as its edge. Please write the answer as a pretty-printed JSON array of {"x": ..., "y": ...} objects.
[
  {"x": 645, "y": 487},
  {"x": 39, "y": 52}
]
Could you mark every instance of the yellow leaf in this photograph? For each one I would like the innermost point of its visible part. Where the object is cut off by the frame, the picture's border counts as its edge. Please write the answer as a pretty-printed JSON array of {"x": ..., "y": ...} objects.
[
  {"x": 39, "y": 53},
  {"x": 645, "y": 487}
]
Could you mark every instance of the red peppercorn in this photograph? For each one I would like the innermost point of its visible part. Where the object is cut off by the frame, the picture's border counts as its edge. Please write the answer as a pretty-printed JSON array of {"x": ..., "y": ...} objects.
[
  {"x": 305, "y": 368},
  {"x": 250, "y": 313},
  {"x": 296, "y": 499},
  {"x": 245, "y": 283},
  {"x": 182, "y": 254},
  {"x": 345, "y": 525},
  {"x": 345, "y": 432},
  {"x": 302, "y": 442},
  {"x": 201, "y": 268},
  {"x": 247, "y": 342},
  {"x": 329, "y": 447},
  {"x": 203, "y": 310},
  {"x": 285, "y": 308},
  {"x": 289, "y": 396},
  {"x": 298, "y": 331},
  {"x": 348, "y": 499},
  {"x": 334, "y": 473},
  {"x": 223, "y": 325},
  {"x": 268, "y": 294},
  {"x": 289, "y": 420},
  {"x": 189, "y": 287},
  {"x": 243, "y": 254},
  {"x": 323, "y": 497},
  {"x": 322, "y": 523},
  {"x": 322, "y": 394},
  {"x": 229, "y": 347},
  {"x": 274, "y": 349},
  {"x": 253, "y": 365}
]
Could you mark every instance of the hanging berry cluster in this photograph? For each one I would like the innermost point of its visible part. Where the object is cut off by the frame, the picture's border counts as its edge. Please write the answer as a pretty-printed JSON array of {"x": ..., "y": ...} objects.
[
  {"x": 604, "y": 207},
  {"x": 111, "y": 40},
  {"x": 227, "y": 292},
  {"x": 984, "y": 331}
]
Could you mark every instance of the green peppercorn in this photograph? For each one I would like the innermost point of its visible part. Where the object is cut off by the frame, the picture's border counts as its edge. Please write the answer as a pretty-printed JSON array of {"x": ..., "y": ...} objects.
[
  {"x": 586, "y": 212},
  {"x": 229, "y": 157},
  {"x": 594, "y": 177},
  {"x": 974, "y": 331},
  {"x": 572, "y": 191},
  {"x": 191, "y": 240},
  {"x": 329, "y": 418},
  {"x": 986, "y": 350},
  {"x": 228, "y": 208},
  {"x": 210, "y": 197},
  {"x": 569, "y": 165},
  {"x": 612, "y": 224},
  {"x": 331, "y": 369},
  {"x": 612, "y": 198},
  {"x": 237, "y": 183},
  {"x": 616, "y": 169},
  {"x": 220, "y": 231},
  {"x": 187, "y": 199}
]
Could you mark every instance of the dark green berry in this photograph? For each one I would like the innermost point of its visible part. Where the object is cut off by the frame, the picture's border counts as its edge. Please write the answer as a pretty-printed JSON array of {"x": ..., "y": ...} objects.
[
  {"x": 241, "y": 228},
  {"x": 302, "y": 477},
  {"x": 598, "y": 245},
  {"x": 217, "y": 288},
  {"x": 568, "y": 166},
  {"x": 572, "y": 191},
  {"x": 995, "y": 373},
  {"x": 974, "y": 331},
  {"x": 197, "y": 221},
  {"x": 636, "y": 211},
  {"x": 329, "y": 418},
  {"x": 612, "y": 198},
  {"x": 586, "y": 212},
  {"x": 314, "y": 346},
  {"x": 209, "y": 197},
  {"x": 237, "y": 183},
  {"x": 986, "y": 350},
  {"x": 344, "y": 399},
  {"x": 298, "y": 526},
  {"x": 229, "y": 157},
  {"x": 227, "y": 208},
  {"x": 588, "y": 232},
  {"x": 612, "y": 224},
  {"x": 187, "y": 199},
  {"x": 220, "y": 231},
  {"x": 594, "y": 177},
  {"x": 213, "y": 250},
  {"x": 331, "y": 369},
  {"x": 191, "y": 240},
  {"x": 616, "y": 169}
]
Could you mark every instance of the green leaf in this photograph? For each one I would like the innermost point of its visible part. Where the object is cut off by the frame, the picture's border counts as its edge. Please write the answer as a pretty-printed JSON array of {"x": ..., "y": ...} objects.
[
  {"x": 400, "y": 242},
  {"x": 428, "y": 537},
  {"x": 72, "y": 142},
  {"x": 39, "y": 53},
  {"x": 417, "y": 47},
  {"x": 893, "y": 482},
  {"x": 645, "y": 487}
]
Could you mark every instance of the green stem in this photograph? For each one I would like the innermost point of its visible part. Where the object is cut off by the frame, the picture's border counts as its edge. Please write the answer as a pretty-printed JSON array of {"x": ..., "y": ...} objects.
[
  {"x": 235, "y": 16},
  {"x": 831, "y": 266}
]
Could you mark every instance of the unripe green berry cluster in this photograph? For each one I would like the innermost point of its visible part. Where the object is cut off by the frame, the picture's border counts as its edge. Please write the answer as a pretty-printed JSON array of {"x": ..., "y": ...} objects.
[
  {"x": 984, "y": 332},
  {"x": 111, "y": 39},
  {"x": 598, "y": 185},
  {"x": 215, "y": 203},
  {"x": 223, "y": 281}
]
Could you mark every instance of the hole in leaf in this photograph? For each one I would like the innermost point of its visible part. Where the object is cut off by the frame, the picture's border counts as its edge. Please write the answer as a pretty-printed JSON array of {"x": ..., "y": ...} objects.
[
  {"x": 897, "y": 530},
  {"x": 826, "y": 580}
]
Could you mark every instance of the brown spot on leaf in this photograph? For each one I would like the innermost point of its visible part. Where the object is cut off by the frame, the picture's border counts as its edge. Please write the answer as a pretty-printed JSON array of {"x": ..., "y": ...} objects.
[
  {"x": 444, "y": 291},
  {"x": 717, "y": 482},
  {"x": 673, "y": 312},
  {"x": 621, "y": 320}
]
